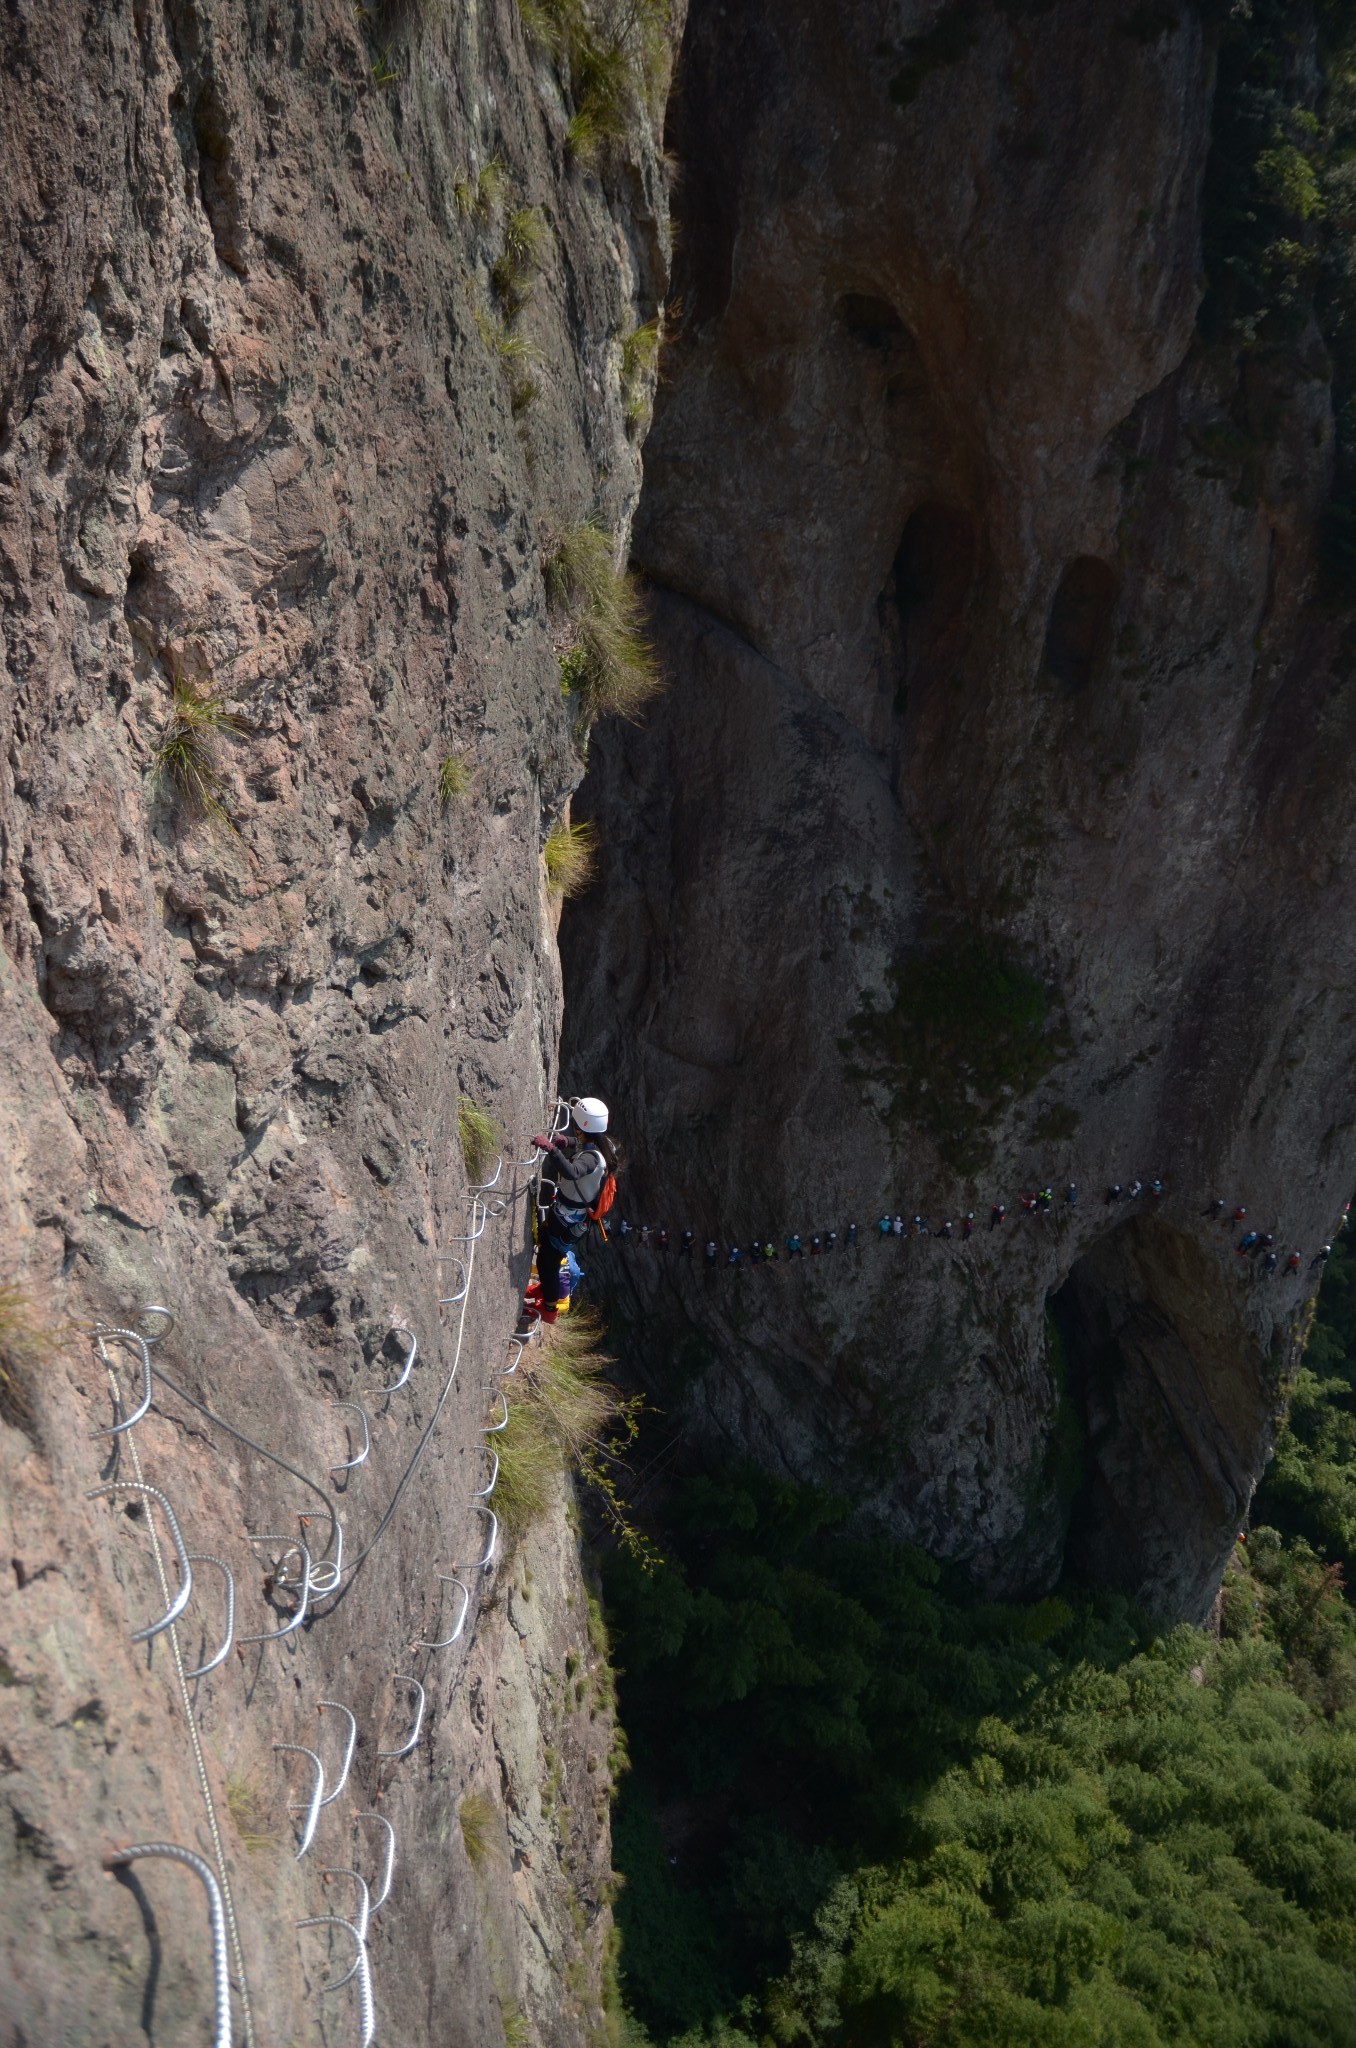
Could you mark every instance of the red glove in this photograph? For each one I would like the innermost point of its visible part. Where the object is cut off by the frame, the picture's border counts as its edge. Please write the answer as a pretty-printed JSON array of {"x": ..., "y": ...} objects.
[{"x": 543, "y": 1144}]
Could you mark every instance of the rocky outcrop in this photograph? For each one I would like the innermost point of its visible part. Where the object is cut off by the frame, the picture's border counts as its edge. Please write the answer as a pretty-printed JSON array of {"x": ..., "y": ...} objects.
[
  {"x": 275, "y": 477},
  {"x": 996, "y": 828}
]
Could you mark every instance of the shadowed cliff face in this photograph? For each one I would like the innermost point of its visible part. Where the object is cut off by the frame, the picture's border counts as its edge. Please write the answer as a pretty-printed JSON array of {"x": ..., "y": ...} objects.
[{"x": 997, "y": 825}]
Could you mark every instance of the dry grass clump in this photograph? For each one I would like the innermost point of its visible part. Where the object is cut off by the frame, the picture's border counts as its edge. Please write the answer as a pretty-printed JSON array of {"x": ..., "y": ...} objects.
[
  {"x": 478, "y": 198},
  {"x": 479, "y": 1828},
  {"x": 29, "y": 1343},
  {"x": 639, "y": 355},
  {"x": 571, "y": 856},
  {"x": 185, "y": 755},
  {"x": 520, "y": 257},
  {"x": 614, "y": 667},
  {"x": 559, "y": 1417},
  {"x": 454, "y": 778},
  {"x": 618, "y": 57},
  {"x": 251, "y": 1809},
  {"x": 480, "y": 1137}
]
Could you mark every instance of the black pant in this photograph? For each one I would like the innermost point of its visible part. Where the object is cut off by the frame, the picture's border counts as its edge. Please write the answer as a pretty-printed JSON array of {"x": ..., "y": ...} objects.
[{"x": 552, "y": 1246}]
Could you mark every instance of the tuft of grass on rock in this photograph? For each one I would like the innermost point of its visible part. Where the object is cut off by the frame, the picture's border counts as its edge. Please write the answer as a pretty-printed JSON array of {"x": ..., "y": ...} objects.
[
  {"x": 615, "y": 670},
  {"x": 617, "y": 56},
  {"x": 478, "y": 198},
  {"x": 29, "y": 1344},
  {"x": 454, "y": 778},
  {"x": 185, "y": 755},
  {"x": 252, "y": 1811},
  {"x": 571, "y": 856},
  {"x": 480, "y": 1137},
  {"x": 639, "y": 355},
  {"x": 562, "y": 1408},
  {"x": 502, "y": 341},
  {"x": 478, "y": 1816},
  {"x": 520, "y": 256}
]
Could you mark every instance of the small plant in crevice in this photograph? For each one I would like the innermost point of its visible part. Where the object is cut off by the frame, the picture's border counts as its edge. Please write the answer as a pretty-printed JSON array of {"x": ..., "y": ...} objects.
[
  {"x": 571, "y": 856},
  {"x": 29, "y": 1344},
  {"x": 252, "y": 1811},
  {"x": 611, "y": 665},
  {"x": 479, "y": 1830},
  {"x": 477, "y": 198},
  {"x": 516, "y": 2025},
  {"x": 639, "y": 356},
  {"x": 501, "y": 340},
  {"x": 520, "y": 256},
  {"x": 185, "y": 755},
  {"x": 479, "y": 1135},
  {"x": 455, "y": 777}
]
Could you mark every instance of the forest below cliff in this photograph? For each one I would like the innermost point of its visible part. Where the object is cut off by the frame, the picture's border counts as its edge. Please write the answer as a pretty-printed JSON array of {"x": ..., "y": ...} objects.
[{"x": 868, "y": 1808}]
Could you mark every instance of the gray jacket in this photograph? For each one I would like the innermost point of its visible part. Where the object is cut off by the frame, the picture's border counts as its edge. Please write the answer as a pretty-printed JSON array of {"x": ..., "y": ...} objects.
[{"x": 579, "y": 1175}]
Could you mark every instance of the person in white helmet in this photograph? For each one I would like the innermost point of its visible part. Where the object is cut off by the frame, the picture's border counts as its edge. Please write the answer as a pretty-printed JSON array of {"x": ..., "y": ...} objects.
[{"x": 582, "y": 1166}]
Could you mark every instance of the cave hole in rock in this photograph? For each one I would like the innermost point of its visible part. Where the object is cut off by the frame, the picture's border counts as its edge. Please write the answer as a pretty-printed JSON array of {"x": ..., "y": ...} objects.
[
  {"x": 925, "y": 598},
  {"x": 874, "y": 322},
  {"x": 1157, "y": 1427},
  {"x": 1078, "y": 635}
]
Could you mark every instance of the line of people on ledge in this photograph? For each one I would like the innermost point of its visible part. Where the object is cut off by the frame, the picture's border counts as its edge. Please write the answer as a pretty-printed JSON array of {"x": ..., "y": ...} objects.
[{"x": 1257, "y": 1251}]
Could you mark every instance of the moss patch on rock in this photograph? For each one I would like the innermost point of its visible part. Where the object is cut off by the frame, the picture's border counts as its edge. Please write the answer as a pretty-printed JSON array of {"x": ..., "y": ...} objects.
[{"x": 967, "y": 1028}]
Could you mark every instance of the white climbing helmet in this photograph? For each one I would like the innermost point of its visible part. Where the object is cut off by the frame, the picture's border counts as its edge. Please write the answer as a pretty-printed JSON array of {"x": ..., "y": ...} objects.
[{"x": 589, "y": 1113}]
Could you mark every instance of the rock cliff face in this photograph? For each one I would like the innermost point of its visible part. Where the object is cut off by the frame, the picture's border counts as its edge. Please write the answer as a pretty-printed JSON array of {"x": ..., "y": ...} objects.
[
  {"x": 996, "y": 828},
  {"x": 275, "y": 474}
]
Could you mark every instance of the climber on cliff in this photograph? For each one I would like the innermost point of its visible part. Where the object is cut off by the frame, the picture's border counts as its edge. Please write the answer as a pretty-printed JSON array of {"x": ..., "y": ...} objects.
[
  {"x": 580, "y": 1171},
  {"x": 1246, "y": 1243},
  {"x": 1071, "y": 1195},
  {"x": 794, "y": 1249},
  {"x": 1263, "y": 1244},
  {"x": 1113, "y": 1193},
  {"x": 852, "y": 1237},
  {"x": 1215, "y": 1208},
  {"x": 883, "y": 1227},
  {"x": 1269, "y": 1263},
  {"x": 712, "y": 1251},
  {"x": 1292, "y": 1264},
  {"x": 996, "y": 1214},
  {"x": 685, "y": 1248},
  {"x": 1320, "y": 1257},
  {"x": 968, "y": 1227}
]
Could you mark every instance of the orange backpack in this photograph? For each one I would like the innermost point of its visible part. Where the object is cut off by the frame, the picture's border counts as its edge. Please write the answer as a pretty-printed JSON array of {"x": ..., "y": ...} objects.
[{"x": 607, "y": 1195}]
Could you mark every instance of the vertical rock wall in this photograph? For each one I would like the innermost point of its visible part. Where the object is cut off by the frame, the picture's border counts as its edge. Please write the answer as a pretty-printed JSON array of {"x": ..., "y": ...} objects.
[
  {"x": 259, "y": 444},
  {"x": 997, "y": 827}
]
